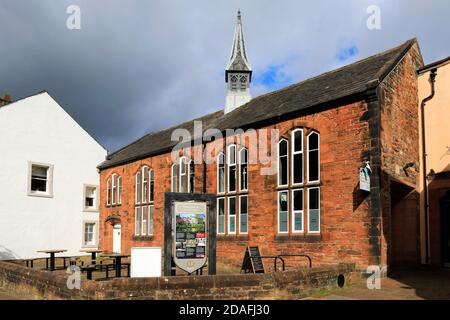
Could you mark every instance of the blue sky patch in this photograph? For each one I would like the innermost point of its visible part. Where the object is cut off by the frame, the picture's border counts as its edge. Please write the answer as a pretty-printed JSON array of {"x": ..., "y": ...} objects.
[
  {"x": 347, "y": 53},
  {"x": 274, "y": 77}
]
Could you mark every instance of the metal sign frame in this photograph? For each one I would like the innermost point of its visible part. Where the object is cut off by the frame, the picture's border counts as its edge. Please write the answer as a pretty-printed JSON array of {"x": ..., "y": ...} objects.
[{"x": 169, "y": 200}]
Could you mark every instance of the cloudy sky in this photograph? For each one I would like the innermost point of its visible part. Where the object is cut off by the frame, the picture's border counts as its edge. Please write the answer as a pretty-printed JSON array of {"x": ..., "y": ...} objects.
[{"x": 141, "y": 65}]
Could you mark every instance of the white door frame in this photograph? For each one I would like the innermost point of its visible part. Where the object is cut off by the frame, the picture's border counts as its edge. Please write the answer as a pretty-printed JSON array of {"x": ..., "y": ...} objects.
[{"x": 117, "y": 238}]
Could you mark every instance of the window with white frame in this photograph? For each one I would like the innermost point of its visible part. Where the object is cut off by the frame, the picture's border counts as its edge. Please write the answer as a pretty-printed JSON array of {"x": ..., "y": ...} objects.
[
  {"x": 293, "y": 193},
  {"x": 114, "y": 189},
  {"x": 221, "y": 173},
  {"x": 232, "y": 191},
  {"x": 232, "y": 215},
  {"x": 313, "y": 157},
  {"x": 119, "y": 190},
  {"x": 108, "y": 192},
  {"x": 144, "y": 208},
  {"x": 314, "y": 210},
  {"x": 243, "y": 169},
  {"x": 283, "y": 211},
  {"x": 231, "y": 155},
  {"x": 297, "y": 210},
  {"x": 89, "y": 234},
  {"x": 243, "y": 214},
  {"x": 221, "y": 215},
  {"x": 40, "y": 181},
  {"x": 90, "y": 197},
  {"x": 183, "y": 174},
  {"x": 297, "y": 156},
  {"x": 175, "y": 178},
  {"x": 283, "y": 163},
  {"x": 191, "y": 182}
]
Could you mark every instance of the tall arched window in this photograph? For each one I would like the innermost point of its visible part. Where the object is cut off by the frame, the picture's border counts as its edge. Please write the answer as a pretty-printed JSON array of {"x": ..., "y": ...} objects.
[
  {"x": 114, "y": 189},
  {"x": 144, "y": 202},
  {"x": 145, "y": 177},
  {"x": 231, "y": 156},
  {"x": 119, "y": 190},
  {"x": 243, "y": 169},
  {"x": 283, "y": 163},
  {"x": 191, "y": 181},
  {"x": 313, "y": 157},
  {"x": 152, "y": 186},
  {"x": 221, "y": 173},
  {"x": 183, "y": 175},
  {"x": 138, "y": 187},
  {"x": 297, "y": 156},
  {"x": 108, "y": 192},
  {"x": 175, "y": 177}
]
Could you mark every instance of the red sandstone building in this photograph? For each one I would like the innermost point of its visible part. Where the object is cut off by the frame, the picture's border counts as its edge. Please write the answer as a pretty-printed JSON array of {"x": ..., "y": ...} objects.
[{"x": 329, "y": 126}]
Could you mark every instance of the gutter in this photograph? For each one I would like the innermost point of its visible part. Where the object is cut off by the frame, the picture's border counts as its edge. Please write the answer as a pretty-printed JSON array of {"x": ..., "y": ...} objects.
[{"x": 426, "y": 205}]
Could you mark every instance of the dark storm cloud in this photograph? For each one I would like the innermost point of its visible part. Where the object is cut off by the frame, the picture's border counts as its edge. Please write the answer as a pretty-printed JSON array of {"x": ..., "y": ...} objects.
[{"x": 138, "y": 66}]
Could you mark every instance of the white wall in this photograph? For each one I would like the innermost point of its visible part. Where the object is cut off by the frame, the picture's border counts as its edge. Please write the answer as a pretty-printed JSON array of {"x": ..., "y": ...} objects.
[{"x": 37, "y": 129}]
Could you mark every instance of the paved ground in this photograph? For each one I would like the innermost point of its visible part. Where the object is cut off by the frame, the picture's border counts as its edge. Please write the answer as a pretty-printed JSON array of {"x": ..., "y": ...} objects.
[{"x": 419, "y": 284}]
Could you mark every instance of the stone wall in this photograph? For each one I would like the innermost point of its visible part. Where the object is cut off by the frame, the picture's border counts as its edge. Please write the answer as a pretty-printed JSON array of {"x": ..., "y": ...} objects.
[{"x": 281, "y": 285}]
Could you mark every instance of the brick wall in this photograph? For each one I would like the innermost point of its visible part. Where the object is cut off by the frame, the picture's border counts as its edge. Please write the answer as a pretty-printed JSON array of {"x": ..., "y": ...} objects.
[{"x": 287, "y": 285}]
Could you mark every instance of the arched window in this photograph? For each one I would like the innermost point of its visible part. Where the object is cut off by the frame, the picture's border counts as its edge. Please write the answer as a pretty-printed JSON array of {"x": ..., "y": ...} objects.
[
  {"x": 313, "y": 157},
  {"x": 152, "y": 186},
  {"x": 297, "y": 156},
  {"x": 231, "y": 156},
  {"x": 243, "y": 170},
  {"x": 145, "y": 177},
  {"x": 114, "y": 189},
  {"x": 108, "y": 192},
  {"x": 283, "y": 163},
  {"x": 183, "y": 175},
  {"x": 175, "y": 178},
  {"x": 119, "y": 190},
  {"x": 191, "y": 181},
  {"x": 138, "y": 187},
  {"x": 221, "y": 173}
]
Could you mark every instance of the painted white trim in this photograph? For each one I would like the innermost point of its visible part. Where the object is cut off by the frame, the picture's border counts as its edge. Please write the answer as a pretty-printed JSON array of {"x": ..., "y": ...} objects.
[
  {"x": 180, "y": 173},
  {"x": 229, "y": 165},
  {"x": 137, "y": 187},
  {"x": 240, "y": 173},
  {"x": 235, "y": 215},
  {"x": 114, "y": 189},
  {"x": 224, "y": 215},
  {"x": 240, "y": 197},
  {"x": 278, "y": 211},
  {"x": 175, "y": 165},
  {"x": 320, "y": 211},
  {"x": 94, "y": 235},
  {"x": 302, "y": 211},
  {"x": 49, "y": 186},
  {"x": 318, "y": 156},
  {"x": 151, "y": 219},
  {"x": 151, "y": 180},
  {"x": 96, "y": 198},
  {"x": 189, "y": 176},
  {"x": 108, "y": 192},
  {"x": 119, "y": 190},
  {"x": 278, "y": 163},
  {"x": 137, "y": 212},
  {"x": 224, "y": 173},
  {"x": 144, "y": 223},
  {"x": 293, "y": 152},
  {"x": 145, "y": 177}
]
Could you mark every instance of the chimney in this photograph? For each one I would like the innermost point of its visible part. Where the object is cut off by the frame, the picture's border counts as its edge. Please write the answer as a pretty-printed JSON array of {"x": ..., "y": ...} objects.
[{"x": 6, "y": 99}]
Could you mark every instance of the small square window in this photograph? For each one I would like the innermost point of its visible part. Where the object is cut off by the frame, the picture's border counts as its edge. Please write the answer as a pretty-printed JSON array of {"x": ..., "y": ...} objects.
[
  {"x": 40, "y": 180},
  {"x": 89, "y": 234},
  {"x": 90, "y": 198}
]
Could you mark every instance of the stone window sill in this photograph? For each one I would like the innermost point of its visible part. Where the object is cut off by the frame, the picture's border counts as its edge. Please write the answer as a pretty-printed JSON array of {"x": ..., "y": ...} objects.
[
  {"x": 232, "y": 237},
  {"x": 142, "y": 238},
  {"x": 298, "y": 237}
]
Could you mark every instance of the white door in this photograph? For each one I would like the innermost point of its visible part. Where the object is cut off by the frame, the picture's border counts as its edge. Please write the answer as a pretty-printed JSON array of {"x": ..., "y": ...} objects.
[{"x": 117, "y": 234}]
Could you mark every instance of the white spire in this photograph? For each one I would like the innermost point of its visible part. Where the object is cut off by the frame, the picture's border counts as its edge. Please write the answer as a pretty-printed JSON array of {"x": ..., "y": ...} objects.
[
  {"x": 238, "y": 57},
  {"x": 238, "y": 73}
]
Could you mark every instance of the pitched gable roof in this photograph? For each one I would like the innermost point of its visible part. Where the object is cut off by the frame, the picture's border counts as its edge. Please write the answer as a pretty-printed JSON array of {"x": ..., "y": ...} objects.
[{"x": 347, "y": 81}]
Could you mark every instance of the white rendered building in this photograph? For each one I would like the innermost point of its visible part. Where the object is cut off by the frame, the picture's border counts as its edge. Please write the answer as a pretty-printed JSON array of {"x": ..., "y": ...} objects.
[{"x": 49, "y": 183}]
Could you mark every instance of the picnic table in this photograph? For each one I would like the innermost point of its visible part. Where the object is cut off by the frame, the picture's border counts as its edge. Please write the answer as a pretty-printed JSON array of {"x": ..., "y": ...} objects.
[
  {"x": 52, "y": 256},
  {"x": 118, "y": 261},
  {"x": 93, "y": 253}
]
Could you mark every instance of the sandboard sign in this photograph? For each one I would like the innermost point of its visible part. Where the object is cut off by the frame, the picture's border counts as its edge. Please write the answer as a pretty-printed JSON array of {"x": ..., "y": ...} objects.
[{"x": 190, "y": 234}]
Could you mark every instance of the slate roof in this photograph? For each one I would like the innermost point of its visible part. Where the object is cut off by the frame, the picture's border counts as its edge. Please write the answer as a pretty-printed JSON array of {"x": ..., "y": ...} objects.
[{"x": 344, "y": 82}]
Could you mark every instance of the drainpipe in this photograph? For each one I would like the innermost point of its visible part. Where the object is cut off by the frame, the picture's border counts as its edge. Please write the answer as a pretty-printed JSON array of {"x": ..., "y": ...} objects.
[
  {"x": 424, "y": 165},
  {"x": 204, "y": 167}
]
